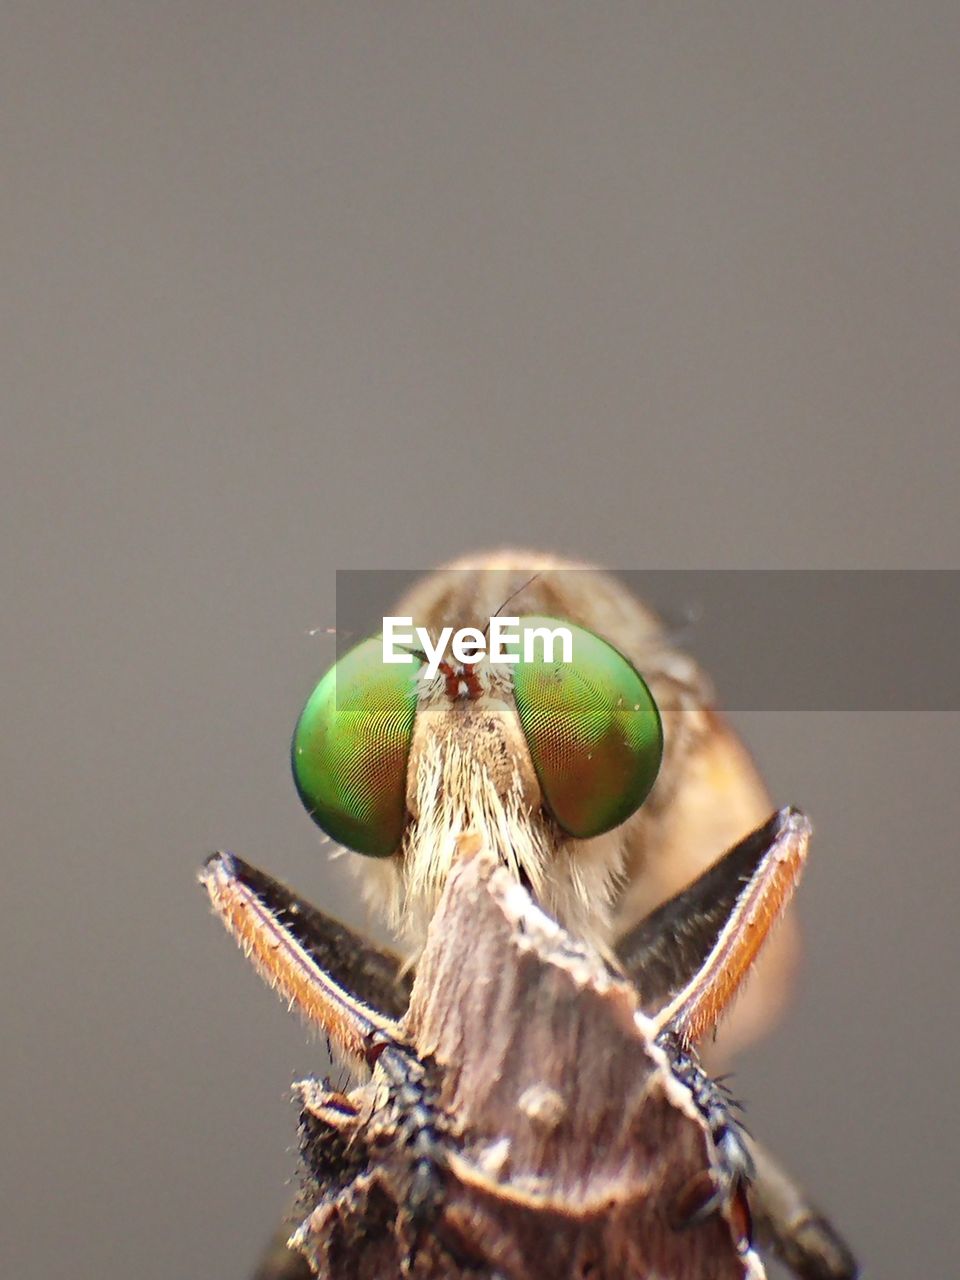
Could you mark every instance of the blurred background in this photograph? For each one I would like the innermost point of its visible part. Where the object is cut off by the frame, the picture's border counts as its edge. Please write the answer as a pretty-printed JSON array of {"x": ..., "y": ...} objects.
[{"x": 293, "y": 288}]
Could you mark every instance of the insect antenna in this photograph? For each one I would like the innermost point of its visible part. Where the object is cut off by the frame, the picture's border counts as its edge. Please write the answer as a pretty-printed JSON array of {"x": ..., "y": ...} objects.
[{"x": 512, "y": 596}]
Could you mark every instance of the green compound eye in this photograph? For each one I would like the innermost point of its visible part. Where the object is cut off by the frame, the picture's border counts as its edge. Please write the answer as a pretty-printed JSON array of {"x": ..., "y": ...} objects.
[
  {"x": 350, "y": 750},
  {"x": 592, "y": 727}
]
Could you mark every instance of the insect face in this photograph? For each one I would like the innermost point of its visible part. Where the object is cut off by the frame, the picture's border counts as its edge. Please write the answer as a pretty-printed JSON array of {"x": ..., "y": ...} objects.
[
  {"x": 391, "y": 762},
  {"x": 554, "y": 765}
]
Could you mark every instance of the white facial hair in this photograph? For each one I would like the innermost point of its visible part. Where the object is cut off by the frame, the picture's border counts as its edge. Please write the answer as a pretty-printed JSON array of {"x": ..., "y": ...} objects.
[{"x": 455, "y": 792}]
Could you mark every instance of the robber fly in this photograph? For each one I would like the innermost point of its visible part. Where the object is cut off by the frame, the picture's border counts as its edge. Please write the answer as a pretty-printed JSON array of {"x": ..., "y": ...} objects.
[
  {"x": 467, "y": 761},
  {"x": 609, "y": 790}
]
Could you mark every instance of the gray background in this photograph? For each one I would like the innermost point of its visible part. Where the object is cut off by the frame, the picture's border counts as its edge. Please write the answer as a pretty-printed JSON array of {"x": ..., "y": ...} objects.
[{"x": 294, "y": 287}]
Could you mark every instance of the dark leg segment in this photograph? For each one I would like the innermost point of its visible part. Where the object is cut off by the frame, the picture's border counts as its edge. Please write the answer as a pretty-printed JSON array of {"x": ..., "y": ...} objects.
[{"x": 791, "y": 1228}]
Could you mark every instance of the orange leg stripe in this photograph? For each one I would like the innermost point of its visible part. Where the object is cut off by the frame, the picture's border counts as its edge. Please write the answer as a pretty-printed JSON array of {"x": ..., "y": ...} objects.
[
  {"x": 700, "y": 1005},
  {"x": 286, "y": 967}
]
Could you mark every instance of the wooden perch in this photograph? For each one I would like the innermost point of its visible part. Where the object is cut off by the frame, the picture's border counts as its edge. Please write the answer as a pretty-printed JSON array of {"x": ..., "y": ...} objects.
[
  {"x": 533, "y": 1111},
  {"x": 523, "y": 1123}
]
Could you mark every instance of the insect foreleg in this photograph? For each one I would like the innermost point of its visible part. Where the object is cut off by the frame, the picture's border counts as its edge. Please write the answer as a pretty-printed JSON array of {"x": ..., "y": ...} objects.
[
  {"x": 688, "y": 959},
  {"x": 791, "y": 1228},
  {"x": 264, "y": 917}
]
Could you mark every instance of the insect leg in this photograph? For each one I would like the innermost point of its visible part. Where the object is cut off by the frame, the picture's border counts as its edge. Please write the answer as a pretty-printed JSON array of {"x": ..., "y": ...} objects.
[
  {"x": 666, "y": 951},
  {"x": 753, "y": 884},
  {"x": 335, "y": 978},
  {"x": 688, "y": 959},
  {"x": 793, "y": 1229},
  {"x": 264, "y": 919},
  {"x": 375, "y": 975}
]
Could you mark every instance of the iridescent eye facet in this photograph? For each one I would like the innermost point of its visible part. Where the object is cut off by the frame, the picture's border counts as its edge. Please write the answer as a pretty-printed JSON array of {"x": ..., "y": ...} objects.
[
  {"x": 351, "y": 746},
  {"x": 592, "y": 728}
]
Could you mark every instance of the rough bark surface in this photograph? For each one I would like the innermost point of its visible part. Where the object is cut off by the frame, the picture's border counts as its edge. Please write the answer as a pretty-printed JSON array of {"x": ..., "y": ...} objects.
[{"x": 525, "y": 1127}]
